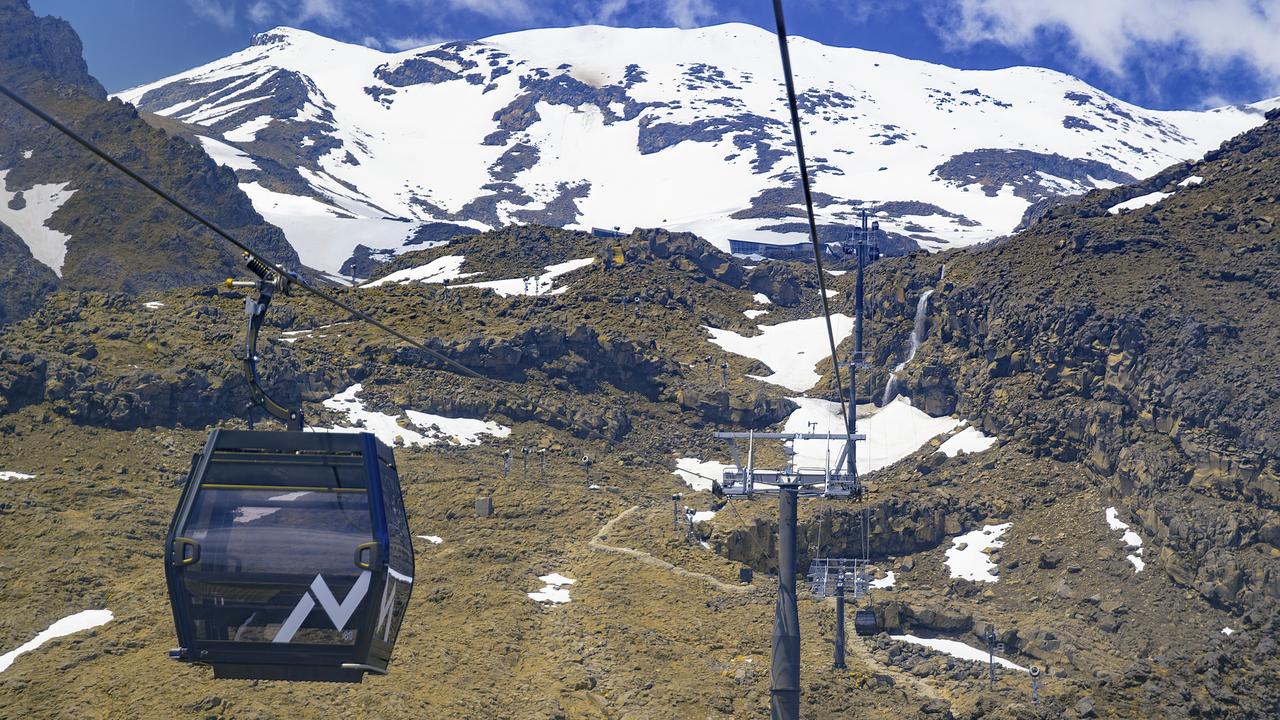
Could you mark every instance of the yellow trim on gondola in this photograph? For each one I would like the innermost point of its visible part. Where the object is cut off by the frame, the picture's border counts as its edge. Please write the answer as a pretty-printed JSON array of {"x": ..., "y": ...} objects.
[
  {"x": 221, "y": 456},
  {"x": 218, "y": 486}
]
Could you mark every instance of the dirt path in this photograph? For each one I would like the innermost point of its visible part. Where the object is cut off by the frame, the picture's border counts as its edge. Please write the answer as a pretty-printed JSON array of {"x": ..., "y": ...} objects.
[{"x": 597, "y": 543}]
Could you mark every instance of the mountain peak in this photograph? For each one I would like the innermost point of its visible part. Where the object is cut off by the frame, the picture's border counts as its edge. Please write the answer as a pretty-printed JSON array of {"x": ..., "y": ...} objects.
[
  {"x": 283, "y": 34},
  {"x": 654, "y": 127}
]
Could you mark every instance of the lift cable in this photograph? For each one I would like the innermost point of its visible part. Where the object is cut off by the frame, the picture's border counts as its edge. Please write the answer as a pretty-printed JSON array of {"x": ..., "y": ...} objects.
[
  {"x": 280, "y": 271},
  {"x": 808, "y": 202}
]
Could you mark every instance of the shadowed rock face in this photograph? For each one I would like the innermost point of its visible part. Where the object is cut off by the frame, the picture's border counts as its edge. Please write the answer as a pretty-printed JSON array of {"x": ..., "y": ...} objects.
[
  {"x": 122, "y": 238},
  {"x": 24, "y": 281},
  {"x": 45, "y": 48},
  {"x": 992, "y": 169}
]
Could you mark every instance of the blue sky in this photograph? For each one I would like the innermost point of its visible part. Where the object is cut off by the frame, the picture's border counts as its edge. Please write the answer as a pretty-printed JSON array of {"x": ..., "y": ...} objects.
[{"x": 1168, "y": 54}]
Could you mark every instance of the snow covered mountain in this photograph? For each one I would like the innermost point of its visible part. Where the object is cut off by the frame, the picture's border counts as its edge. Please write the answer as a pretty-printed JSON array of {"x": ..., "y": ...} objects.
[{"x": 344, "y": 146}]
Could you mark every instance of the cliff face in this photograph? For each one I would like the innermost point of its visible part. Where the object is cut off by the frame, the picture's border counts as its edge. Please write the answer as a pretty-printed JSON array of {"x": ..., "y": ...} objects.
[
  {"x": 1140, "y": 344},
  {"x": 102, "y": 231}
]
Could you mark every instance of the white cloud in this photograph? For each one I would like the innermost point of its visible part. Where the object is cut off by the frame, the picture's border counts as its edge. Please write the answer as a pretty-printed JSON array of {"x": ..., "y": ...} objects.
[
  {"x": 521, "y": 11},
  {"x": 681, "y": 13},
  {"x": 690, "y": 13},
  {"x": 411, "y": 42},
  {"x": 224, "y": 16},
  {"x": 501, "y": 9},
  {"x": 260, "y": 12},
  {"x": 326, "y": 12},
  {"x": 608, "y": 11},
  {"x": 1110, "y": 33}
]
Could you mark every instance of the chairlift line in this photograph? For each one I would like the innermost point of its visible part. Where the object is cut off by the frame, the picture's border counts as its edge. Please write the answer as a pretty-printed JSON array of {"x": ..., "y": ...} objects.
[{"x": 793, "y": 105}]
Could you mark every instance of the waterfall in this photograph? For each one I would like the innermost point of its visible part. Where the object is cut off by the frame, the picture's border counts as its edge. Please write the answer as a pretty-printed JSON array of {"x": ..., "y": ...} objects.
[{"x": 917, "y": 337}]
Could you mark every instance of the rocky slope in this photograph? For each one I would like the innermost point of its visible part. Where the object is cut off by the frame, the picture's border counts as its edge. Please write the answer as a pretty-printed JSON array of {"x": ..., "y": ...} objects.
[
  {"x": 79, "y": 218},
  {"x": 1123, "y": 363},
  {"x": 1139, "y": 345},
  {"x": 104, "y": 398}
]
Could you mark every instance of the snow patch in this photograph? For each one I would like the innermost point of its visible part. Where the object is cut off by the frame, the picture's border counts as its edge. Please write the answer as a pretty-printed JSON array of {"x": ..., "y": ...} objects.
[
  {"x": 153, "y": 305},
  {"x": 248, "y": 132},
  {"x": 703, "y": 516},
  {"x": 1192, "y": 180},
  {"x": 433, "y": 539},
  {"x": 29, "y": 223},
  {"x": 753, "y": 314},
  {"x": 14, "y": 475},
  {"x": 1227, "y": 631},
  {"x": 224, "y": 154},
  {"x": 1139, "y": 202},
  {"x": 792, "y": 350},
  {"x": 698, "y": 474},
  {"x": 436, "y": 428},
  {"x": 762, "y": 299},
  {"x": 543, "y": 284},
  {"x": 893, "y": 432},
  {"x": 967, "y": 558},
  {"x": 554, "y": 591},
  {"x": 957, "y": 649},
  {"x": 968, "y": 440},
  {"x": 886, "y": 582},
  {"x": 442, "y": 269},
  {"x": 458, "y": 431},
  {"x": 1130, "y": 538},
  {"x": 79, "y": 622}
]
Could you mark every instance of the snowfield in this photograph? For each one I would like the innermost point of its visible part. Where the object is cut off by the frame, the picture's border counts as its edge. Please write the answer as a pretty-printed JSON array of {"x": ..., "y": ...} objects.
[
  {"x": 677, "y": 128},
  {"x": 886, "y": 582},
  {"x": 543, "y": 284}
]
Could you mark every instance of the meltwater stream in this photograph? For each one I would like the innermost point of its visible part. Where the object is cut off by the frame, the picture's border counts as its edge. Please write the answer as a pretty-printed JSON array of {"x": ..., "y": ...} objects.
[{"x": 917, "y": 336}]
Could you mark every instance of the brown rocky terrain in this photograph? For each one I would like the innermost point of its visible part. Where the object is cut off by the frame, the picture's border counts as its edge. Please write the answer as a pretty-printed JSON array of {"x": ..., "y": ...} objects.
[
  {"x": 1122, "y": 360},
  {"x": 105, "y": 399}
]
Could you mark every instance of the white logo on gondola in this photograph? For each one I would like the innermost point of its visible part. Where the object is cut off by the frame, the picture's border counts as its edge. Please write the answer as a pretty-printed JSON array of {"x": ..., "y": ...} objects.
[{"x": 339, "y": 613}]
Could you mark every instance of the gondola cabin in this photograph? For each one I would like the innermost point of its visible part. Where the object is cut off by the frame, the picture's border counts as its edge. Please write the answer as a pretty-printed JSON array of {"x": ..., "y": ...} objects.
[
  {"x": 289, "y": 556},
  {"x": 865, "y": 622}
]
